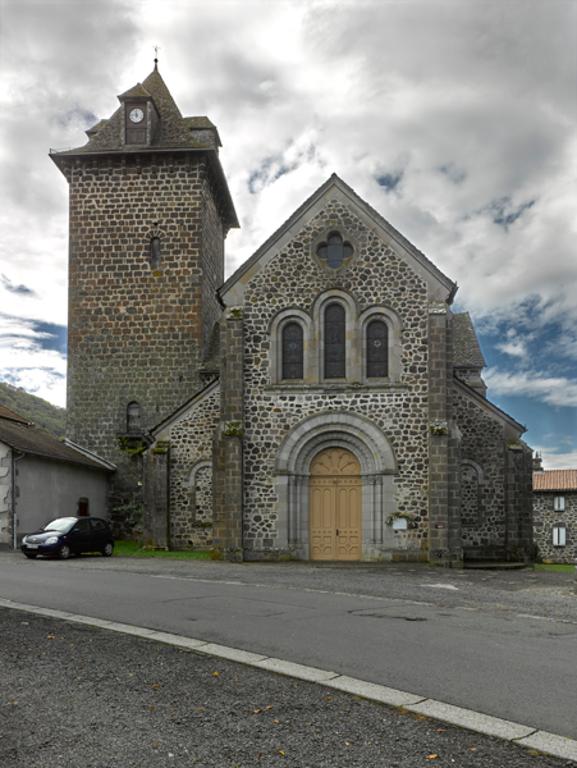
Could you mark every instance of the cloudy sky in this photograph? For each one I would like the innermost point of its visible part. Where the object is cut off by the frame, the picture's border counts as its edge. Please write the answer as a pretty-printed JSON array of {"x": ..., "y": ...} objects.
[{"x": 456, "y": 119}]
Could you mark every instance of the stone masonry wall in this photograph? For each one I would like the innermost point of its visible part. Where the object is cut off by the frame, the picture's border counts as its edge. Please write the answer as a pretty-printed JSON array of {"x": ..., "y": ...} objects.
[
  {"x": 228, "y": 444},
  {"x": 212, "y": 262},
  {"x": 190, "y": 471},
  {"x": 5, "y": 493},
  {"x": 376, "y": 276},
  {"x": 520, "y": 544},
  {"x": 482, "y": 444},
  {"x": 545, "y": 517},
  {"x": 136, "y": 330}
]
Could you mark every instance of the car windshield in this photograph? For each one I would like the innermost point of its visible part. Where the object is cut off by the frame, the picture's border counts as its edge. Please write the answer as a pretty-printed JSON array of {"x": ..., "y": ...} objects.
[{"x": 62, "y": 524}]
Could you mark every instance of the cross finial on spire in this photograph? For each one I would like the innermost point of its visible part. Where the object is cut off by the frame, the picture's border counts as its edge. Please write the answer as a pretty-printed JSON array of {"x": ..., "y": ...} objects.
[{"x": 156, "y": 49}]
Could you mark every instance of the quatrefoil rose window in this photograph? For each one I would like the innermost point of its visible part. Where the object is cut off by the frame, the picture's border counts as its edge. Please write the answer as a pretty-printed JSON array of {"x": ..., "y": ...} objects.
[{"x": 334, "y": 252}]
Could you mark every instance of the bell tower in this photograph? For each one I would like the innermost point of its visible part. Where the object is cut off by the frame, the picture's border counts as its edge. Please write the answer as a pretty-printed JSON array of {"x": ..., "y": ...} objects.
[{"x": 149, "y": 212}]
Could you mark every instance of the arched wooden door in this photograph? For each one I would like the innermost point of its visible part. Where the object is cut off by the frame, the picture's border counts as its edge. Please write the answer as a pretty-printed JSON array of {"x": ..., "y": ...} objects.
[{"x": 335, "y": 506}]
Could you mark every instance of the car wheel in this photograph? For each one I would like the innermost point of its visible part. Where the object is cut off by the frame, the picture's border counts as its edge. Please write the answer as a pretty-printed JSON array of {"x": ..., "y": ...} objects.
[
  {"x": 107, "y": 551},
  {"x": 64, "y": 552},
  {"x": 30, "y": 555}
]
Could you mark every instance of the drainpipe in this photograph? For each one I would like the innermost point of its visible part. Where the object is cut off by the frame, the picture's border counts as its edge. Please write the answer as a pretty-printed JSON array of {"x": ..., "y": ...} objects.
[{"x": 13, "y": 499}]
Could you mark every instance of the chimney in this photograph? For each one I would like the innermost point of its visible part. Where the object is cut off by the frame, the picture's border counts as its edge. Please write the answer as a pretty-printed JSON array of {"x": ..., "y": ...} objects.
[{"x": 537, "y": 462}]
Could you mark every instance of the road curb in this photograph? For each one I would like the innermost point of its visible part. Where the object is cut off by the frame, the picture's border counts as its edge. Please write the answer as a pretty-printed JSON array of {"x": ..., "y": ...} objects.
[{"x": 517, "y": 733}]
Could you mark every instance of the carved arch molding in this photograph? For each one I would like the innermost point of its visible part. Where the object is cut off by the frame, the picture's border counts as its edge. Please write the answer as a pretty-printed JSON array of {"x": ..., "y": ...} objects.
[{"x": 378, "y": 466}]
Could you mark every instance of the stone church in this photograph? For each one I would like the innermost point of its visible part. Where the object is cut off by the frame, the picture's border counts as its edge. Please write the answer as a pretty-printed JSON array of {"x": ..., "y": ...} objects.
[{"x": 322, "y": 403}]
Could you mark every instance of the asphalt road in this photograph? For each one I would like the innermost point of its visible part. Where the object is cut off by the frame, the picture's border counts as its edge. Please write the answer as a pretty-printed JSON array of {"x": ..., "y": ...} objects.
[
  {"x": 504, "y": 645},
  {"x": 74, "y": 696}
]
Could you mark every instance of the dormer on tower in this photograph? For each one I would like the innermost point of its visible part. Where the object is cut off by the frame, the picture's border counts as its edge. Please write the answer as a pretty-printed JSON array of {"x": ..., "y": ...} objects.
[{"x": 140, "y": 118}]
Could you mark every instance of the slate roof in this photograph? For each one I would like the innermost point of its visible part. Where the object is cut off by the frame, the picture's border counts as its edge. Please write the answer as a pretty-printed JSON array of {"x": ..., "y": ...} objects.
[
  {"x": 483, "y": 402},
  {"x": 466, "y": 349},
  {"x": 26, "y": 437},
  {"x": 6, "y": 413},
  {"x": 555, "y": 480},
  {"x": 177, "y": 133},
  {"x": 200, "y": 393}
]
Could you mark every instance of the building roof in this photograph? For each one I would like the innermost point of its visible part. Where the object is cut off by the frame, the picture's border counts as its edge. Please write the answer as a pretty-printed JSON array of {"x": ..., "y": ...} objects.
[
  {"x": 26, "y": 437},
  {"x": 488, "y": 406},
  {"x": 466, "y": 349},
  {"x": 199, "y": 395},
  {"x": 6, "y": 413},
  {"x": 176, "y": 133},
  {"x": 555, "y": 480}
]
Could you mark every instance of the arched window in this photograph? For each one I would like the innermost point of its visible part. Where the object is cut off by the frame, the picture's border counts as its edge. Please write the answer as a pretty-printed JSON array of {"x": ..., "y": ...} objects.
[
  {"x": 292, "y": 351},
  {"x": 155, "y": 252},
  {"x": 377, "y": 349},
  {"x": 334, "y": 342},
  {"x": 133, "y": 418}
]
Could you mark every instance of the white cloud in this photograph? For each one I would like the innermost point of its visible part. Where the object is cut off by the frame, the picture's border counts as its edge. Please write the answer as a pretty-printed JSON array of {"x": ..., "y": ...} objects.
[
  {"x": 470, "y": 102},
  {"x": 558, "y": 391},
  {"x": 515, "y": 348},
  {"x": 555, "y": 460}
]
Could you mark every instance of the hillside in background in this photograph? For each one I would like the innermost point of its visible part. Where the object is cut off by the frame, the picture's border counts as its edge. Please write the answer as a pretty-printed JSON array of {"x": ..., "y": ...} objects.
[{"x": 33, "y": 408}]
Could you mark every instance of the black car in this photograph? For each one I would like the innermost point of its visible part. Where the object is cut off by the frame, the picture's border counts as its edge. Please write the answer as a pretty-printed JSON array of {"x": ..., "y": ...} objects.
[{"x": 67, "y": 536}]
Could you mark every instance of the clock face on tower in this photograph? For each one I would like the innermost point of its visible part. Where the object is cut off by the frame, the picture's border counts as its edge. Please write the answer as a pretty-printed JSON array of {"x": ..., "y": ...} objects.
[{"x": 136, "y": 115}]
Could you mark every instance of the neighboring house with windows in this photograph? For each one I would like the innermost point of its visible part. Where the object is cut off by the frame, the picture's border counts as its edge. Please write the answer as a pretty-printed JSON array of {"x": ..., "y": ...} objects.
[
  {"x": 555, "y": 515},
  {"x": 323, "y": 403},
  {"x": 42, "y": 478}
]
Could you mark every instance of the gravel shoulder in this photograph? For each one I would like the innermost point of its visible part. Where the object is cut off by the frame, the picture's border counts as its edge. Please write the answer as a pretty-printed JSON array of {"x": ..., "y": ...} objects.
[{"x": 75, "y": 696}]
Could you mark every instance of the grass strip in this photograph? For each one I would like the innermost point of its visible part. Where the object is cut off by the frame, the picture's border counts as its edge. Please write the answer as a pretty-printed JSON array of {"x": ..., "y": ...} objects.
[{"x": 134, "y": 549}]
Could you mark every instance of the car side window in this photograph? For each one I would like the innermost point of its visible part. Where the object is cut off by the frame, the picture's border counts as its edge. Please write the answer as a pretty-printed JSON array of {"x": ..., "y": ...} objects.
[
  {"x": 82, "y": 526},
  {"x": 98, "y": 525}
]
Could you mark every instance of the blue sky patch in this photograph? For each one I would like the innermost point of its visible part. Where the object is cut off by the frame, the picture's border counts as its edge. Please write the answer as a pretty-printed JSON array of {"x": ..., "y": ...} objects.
[
  {"x": 389, "y": 181},
  {"x": 20, "y": 290},
  {"x": 452, "y": 172},
  {"x": 541, "y": 390},
  {"x": 503, "y": 212},
  {"x": 51, "y": 336}
]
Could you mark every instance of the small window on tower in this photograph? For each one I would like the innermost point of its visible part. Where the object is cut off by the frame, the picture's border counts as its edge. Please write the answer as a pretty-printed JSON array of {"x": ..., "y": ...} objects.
[
  {"x": 133, "y": 418},
  {"x": 155, "y": 253},
  {"x": 559, "y": 503}
]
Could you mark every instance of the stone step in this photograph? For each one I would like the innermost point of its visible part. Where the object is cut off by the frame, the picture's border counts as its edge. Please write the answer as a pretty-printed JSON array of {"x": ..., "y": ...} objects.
[{"x": 494, "y": 565}]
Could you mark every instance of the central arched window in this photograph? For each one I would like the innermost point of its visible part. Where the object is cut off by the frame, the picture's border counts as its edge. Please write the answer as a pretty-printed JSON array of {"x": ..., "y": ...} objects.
[
  {"x": 334, "y": 342},
  {"x": 377, "y": 345},
  {"x": 292, "y": 351}
]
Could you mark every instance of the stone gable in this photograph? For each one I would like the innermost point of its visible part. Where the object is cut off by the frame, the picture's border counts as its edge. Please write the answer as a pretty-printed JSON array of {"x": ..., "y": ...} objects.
[{"x": 376, "y": 276}]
